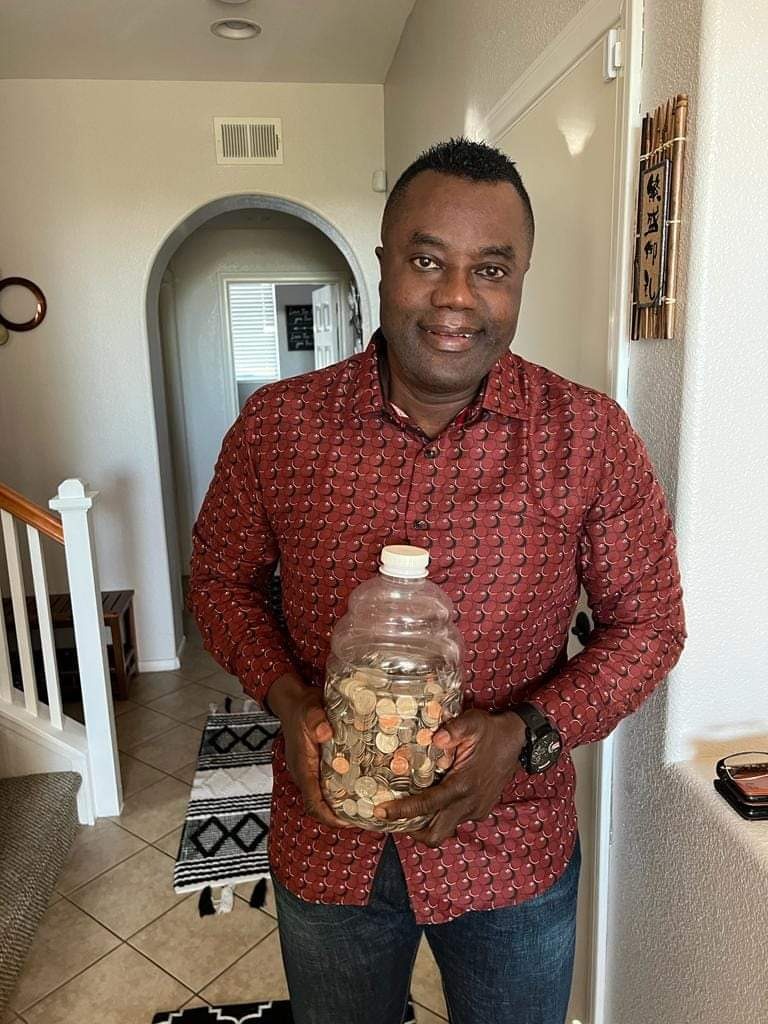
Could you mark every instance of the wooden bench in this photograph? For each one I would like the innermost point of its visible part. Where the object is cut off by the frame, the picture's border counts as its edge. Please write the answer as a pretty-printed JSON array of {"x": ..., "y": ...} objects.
[{"x": 118, "y": 618}]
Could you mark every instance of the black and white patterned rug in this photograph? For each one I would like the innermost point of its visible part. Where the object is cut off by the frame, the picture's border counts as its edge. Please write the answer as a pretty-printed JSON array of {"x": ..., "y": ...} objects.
[
  {"x": 224, "y": 841},
  {"x": 276, "y": 1012}
]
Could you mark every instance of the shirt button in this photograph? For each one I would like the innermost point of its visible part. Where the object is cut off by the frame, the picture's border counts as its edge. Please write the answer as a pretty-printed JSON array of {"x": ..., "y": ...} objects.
[
  {"x": 431, "y": 453},
  {"x": 421, "y": 524}
]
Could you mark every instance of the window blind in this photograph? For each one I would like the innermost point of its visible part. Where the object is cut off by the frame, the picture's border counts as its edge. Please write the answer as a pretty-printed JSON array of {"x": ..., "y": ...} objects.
[{"x": 253, "y": 329}]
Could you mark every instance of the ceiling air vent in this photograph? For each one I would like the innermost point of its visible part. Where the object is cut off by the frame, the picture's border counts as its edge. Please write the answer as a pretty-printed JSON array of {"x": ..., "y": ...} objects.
[{"x": 248, "y": 140}]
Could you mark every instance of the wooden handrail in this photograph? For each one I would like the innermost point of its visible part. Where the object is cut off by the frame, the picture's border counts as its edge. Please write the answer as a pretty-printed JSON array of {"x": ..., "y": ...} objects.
[{"x": 28, "y": 512}]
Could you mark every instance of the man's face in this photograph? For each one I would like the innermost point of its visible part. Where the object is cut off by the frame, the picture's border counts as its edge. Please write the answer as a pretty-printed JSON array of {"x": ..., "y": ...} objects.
[{"x": 453, "y": 259}]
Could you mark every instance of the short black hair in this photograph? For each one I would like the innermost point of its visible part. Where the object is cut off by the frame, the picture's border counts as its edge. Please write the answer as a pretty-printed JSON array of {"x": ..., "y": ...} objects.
[{"x": 462, "y": 158}]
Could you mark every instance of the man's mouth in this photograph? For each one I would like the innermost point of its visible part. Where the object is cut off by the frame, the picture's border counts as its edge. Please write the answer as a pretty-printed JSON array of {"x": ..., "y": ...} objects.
[{"x": 450, "y": 338}]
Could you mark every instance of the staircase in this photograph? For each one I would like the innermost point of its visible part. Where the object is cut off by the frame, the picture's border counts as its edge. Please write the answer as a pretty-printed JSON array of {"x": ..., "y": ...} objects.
[{"x": 36, "y": 736}]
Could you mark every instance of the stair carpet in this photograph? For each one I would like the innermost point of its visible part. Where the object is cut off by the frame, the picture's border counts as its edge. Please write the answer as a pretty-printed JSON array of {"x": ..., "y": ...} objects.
[{"x": 38, "y": 825}]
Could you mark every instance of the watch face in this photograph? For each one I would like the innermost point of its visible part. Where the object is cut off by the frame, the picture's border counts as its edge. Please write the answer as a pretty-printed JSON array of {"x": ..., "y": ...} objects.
[{"x": 544, "y": 753}]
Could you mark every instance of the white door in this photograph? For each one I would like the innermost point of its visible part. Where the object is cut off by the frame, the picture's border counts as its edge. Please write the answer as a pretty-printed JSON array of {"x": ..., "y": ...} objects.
[
  {"x": 325, "y": 317},
  {"x": 564, "y": 148}
]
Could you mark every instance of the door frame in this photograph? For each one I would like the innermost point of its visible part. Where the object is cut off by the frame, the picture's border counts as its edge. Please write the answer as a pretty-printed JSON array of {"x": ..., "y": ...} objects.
[
  {"x": 578, "y": 38},
  {"x": 328, "y": 277}
]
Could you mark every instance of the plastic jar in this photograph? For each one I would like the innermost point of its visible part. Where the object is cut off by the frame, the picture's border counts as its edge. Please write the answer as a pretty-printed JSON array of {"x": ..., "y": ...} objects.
[{"x": 392, "y": 678}]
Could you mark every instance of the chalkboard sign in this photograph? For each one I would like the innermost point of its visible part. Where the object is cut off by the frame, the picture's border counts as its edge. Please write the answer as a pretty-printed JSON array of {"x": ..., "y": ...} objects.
[{"x": 300, "y": 335}]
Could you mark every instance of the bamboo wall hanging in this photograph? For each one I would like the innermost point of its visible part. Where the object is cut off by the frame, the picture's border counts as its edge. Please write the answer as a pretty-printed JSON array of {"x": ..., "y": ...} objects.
[{"x": 659, "y": 200}]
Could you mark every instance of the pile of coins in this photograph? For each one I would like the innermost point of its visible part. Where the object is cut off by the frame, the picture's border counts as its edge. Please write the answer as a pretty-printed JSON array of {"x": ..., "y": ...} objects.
[{"x": 382, "y": 738}]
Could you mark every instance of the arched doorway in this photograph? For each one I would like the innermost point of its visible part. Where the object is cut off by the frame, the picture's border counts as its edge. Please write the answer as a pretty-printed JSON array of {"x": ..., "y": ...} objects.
[{"x": 172, "y": 481}]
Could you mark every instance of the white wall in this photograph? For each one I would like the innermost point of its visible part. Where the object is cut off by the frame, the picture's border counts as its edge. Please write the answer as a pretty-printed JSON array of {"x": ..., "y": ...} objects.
[
  {"x": 700, "y": 404},
  {"x": 198, "y": 368},
  {"x": 678, "y": 890},
  {"x": 95, "y": 175},
  {"x": 456, "y": 58}
]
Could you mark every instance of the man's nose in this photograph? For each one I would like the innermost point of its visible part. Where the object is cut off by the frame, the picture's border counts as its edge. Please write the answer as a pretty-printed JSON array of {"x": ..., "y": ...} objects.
[{"x": 454, "y": 291}]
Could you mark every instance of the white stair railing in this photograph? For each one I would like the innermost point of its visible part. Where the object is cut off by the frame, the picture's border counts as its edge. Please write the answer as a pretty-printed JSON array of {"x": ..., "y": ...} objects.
[
  {"x": 74, "y": 503},
  {"x": 96, "y": 741}
]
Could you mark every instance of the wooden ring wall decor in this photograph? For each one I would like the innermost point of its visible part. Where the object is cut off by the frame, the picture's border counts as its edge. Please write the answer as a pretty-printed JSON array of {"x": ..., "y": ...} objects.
[{"x": 42, "y": 305}]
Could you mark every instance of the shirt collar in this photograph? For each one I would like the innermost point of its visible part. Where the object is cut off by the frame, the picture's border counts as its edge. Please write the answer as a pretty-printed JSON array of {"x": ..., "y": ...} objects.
[{"x": 503, "y": 391}]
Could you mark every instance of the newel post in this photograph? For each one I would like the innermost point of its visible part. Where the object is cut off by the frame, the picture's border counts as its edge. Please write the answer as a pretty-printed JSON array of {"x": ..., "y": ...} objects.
[{"x": 74, "y": 502}]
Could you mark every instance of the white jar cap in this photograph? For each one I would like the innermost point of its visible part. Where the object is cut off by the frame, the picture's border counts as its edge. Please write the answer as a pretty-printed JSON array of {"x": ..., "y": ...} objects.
[{"x": 402, "y": 560}]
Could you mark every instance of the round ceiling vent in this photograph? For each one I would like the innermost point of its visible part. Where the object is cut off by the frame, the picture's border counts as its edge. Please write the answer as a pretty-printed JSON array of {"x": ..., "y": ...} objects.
[{"x": 235, "y": 28}]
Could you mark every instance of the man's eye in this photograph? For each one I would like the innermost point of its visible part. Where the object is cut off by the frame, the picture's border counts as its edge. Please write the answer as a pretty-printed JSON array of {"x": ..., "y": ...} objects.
[
  {"x": 494, "y": 273},
  {"x": 424, "y": 262}
]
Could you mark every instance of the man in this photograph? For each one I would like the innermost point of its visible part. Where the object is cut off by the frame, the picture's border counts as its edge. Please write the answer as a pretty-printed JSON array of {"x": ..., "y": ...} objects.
[{"x": 523, "y": 485}]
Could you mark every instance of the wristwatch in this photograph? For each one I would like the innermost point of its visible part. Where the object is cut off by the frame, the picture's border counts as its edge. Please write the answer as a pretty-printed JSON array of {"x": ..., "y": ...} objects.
[{"x": 542, "y": 741}]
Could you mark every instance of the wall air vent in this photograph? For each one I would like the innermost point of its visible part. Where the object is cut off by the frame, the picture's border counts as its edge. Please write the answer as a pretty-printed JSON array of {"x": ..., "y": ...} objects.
[{"x": 248, "y": 140}]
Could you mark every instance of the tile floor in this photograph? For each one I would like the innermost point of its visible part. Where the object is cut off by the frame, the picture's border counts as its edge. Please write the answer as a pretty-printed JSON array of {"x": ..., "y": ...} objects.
[{"x": 117, "y": 944}]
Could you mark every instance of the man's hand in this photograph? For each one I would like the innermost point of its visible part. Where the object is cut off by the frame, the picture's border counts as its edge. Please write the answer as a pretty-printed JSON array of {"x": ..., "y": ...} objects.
[
  {"x": 485, "y": 751},
  {"x": 305, "y": 726}
]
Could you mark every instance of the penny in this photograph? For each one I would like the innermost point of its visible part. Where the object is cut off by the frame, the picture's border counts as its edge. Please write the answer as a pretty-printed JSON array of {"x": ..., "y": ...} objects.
[
  {"x": 389, "y": 723},
  {"x": 399, "y": 766},
  {"x": 424, "y": 737},
  {"x": 432, "y": 710},
  {"x": 340, "y": 764}
]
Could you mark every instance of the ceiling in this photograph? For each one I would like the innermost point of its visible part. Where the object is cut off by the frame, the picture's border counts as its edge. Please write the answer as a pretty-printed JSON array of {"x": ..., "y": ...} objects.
[{"x": 170, "y": 40}]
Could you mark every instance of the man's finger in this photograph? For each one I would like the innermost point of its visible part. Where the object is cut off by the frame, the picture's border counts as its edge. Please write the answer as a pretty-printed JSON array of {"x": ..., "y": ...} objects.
[
  {"x": 426, "y": 803},
  {"x": 315, "y": 805},
  {"x": 318, "y": 725},
  {"x": 307, "y": 778},
  {"x": 442, "y": 827},
  {"x": 452, "y": 732}
]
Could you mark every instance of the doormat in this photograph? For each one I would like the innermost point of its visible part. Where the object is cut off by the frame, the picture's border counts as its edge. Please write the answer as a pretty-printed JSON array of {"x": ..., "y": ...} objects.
[
  {"x": 224, "y": 840},
  {"x": 276, "y": 1012}
]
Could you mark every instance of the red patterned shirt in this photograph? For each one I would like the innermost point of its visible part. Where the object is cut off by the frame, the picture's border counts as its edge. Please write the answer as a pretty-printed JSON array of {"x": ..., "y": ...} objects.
[{"x": 539, "y": 486}]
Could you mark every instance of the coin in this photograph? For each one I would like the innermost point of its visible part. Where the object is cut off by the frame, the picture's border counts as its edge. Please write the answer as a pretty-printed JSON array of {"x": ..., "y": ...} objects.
[
  {"x": 389, "y": 723},
  {"x": 364, "y": 702},
  {"x": 407, "y": 706},
  {"x": 434, "y": 709},
  {"x": 350, "y": 808},
  {"x": 385, "y": 706},
  {"x": 365, "y": 808},
  {"x": 424, "y": 737},
  {"x": 340, "y": 764},
  {"x": 365, "y": 787},
  {"x": 386, "y": 744}
]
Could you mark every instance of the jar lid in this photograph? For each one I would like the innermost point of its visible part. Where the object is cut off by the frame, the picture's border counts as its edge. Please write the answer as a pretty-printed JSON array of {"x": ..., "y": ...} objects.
[{"x": 404, "y": 561}]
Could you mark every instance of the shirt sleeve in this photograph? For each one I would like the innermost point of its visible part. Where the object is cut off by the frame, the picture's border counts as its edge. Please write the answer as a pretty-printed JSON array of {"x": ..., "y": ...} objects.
[
  {"x": 234, "y": 553},
  {"x": 628, "y": 566}
]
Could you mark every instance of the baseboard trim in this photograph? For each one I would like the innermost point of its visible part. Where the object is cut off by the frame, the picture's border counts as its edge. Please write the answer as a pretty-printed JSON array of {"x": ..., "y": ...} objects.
[{"x": 162, "y": 665}]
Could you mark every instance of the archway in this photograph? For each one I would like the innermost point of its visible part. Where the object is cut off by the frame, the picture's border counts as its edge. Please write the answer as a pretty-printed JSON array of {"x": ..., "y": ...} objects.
[{"x": 179, "y": 234}]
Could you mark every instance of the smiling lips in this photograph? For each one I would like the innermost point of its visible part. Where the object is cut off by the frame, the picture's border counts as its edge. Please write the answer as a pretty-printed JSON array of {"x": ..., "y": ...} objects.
[{"x": 449, "y": 338}]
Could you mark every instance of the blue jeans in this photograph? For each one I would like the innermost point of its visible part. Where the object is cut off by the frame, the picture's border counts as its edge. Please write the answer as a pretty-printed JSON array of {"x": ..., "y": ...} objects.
[{"x": 353, "y": 964}]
